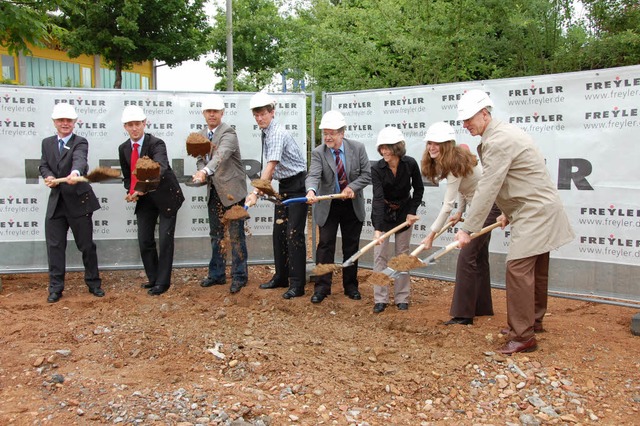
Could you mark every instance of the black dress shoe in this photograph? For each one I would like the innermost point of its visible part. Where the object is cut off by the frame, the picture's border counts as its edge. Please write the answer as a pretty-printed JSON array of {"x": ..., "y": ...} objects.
[
  {"x": 355, "y": 295},
  {"x": 98, "y": 292},
  {"x": 459, "y": 320},
  {"x": 147, "y": 285},
  {"x": 293, "y": 292},
  {"x": 157, "y": 290},
  {"x": 379, "y": 307},
  {"x": 273, "y": 284},
  {"x": 54, "y": 297},
  {"x": 402, "y": 306},
  {"x": 318, "y": 297},
  {"x": 208, "y": 282},
  {"x": 236, "y": 286}
]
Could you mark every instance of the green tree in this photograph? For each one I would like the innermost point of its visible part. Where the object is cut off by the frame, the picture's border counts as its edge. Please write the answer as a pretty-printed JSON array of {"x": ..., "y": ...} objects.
[
  {"x": 24, "y": 22},
  {"x": 258, "y": 34},
  {"x": 125, "y": 32}
]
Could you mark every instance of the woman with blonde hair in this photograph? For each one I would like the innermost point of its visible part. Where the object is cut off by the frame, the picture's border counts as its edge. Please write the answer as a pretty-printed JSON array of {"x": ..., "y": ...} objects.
[{"x": 441, "y": 160}]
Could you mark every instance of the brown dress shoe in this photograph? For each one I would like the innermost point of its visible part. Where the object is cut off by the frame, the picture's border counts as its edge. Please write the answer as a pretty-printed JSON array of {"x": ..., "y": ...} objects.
[{"x": 513, "y": 346}]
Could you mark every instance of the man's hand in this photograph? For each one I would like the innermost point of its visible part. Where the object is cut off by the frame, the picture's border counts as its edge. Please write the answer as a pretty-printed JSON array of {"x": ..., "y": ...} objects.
[
  {"x": 311, "y": 197},
  {"x": 349, "y": 192},
  {"x": 503, "y": 220},
  {"x": 132, "y": 198},
  {"x": 49, "y": 182},
  {"x": 462, "y": 238},
  {"x": 251, "y": 200},
  {"x": 70, "y": 180},
  {"x": 199, "y": 177}
]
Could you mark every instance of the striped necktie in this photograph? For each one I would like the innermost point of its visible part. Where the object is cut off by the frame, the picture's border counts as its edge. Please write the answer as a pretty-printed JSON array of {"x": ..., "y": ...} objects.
[{"x": 342, "y": 176}]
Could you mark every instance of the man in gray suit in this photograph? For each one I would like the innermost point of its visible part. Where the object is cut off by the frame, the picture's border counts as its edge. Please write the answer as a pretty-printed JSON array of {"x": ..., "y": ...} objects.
[
  {"x": 224, "y": 173},
  {"x": 339, "y": 165}
]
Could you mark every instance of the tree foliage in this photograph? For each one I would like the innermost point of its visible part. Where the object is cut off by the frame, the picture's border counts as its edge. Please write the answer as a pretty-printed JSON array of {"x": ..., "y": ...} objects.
[
  {"x": 125, "y": 32},
  {"x": 258, "y": 34},
  {"x": 24, "y": 22}
]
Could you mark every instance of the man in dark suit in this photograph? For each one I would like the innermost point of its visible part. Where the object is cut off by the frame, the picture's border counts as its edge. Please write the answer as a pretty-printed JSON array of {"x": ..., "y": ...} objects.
[
  {"x": 339, "y": 165},
  {"x": 224, "y": 173},
  {"x": 162, "y": 203},
  {"x": 71, "y": 204}
]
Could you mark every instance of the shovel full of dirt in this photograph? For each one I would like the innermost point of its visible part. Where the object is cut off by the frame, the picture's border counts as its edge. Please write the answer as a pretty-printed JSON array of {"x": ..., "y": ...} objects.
[
  {"x": 454, "y": 245},
  {"x": 369, "y": 246},
  {"x": 99, "y": 174}
]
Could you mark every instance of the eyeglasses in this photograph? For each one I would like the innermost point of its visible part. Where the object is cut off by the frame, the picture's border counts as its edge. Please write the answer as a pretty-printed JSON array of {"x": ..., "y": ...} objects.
[{"x": 331, "y": 134}]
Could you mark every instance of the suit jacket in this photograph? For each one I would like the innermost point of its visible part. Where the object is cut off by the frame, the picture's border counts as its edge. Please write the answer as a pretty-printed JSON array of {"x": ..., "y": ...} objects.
[
  {"x": 322, "y": 176},
  {"x": 516, "y": 177},
  {"x": 168, "y": 197},
  {"x": 224, "y": 160},
  {"x": 79, "y": 199}
]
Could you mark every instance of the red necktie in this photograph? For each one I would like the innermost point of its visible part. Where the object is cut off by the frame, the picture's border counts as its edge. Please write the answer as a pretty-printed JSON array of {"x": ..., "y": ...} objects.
[
  {"x": 134, "y": 160},
  {"x": 342, "y": 176}
]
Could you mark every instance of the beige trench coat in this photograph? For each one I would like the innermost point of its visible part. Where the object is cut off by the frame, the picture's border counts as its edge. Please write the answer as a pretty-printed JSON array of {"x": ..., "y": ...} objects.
[{"x": 516, "y": 177}]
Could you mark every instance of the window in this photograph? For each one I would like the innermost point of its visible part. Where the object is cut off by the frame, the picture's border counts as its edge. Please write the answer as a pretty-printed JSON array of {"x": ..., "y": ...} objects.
[
  {"x": 86, "y": 77},
  {"x": 145, "y": 83},
  {"x": 8, "y": 68}
]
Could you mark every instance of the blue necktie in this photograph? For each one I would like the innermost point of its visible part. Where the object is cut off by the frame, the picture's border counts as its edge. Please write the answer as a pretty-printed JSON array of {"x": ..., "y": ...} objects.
[{"x": 60, "y": 145}]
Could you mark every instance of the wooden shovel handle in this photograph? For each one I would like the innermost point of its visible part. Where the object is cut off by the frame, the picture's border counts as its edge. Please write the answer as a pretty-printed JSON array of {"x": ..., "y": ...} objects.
[
  {"x": 75, "y": 178},
  {"x": 368, "y": 247},
  {"x": 421, "y": 247},
  {"x": 331, "y": 196},
  {"x": 455, "y": 244}
]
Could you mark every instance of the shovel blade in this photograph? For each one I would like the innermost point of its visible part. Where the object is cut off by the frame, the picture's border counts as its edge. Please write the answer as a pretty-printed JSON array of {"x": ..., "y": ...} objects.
[{"x": 147, "y": 185}]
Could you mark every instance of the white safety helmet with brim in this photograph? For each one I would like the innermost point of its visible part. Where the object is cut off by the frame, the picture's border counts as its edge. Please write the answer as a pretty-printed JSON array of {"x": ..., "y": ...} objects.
[
  {"x": 214, "y": 102},
  {"x": 472, "y": 102},
  {"x": 64, "y": 110},
  {"x": 133, "y": 113},
  {"x": 440, "y": 132},
  {"x": 261, "y": 99},
  {"x": 332, "y": 120},
  {"x": 389, "y": 136}
]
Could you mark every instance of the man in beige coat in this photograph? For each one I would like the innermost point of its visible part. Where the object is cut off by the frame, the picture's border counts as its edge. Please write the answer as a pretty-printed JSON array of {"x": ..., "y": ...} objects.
[
  {"x": 516, "y": 177},
  {"x": 224, "y": 173}
]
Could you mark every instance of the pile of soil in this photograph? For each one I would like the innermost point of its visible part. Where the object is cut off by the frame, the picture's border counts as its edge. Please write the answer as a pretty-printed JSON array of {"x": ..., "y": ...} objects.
[
  {"x": 199, "y": 355},
  {"x": 404, "y": 263},
  {"x": 264, "y": 186},
  {"x": 147, "y": 169},
  {"x": 235, "y": 213},
  {"x": 197, "y": 145}
]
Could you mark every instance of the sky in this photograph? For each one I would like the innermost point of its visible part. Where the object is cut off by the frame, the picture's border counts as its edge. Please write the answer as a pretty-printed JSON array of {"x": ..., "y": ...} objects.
[{"x": 191, "y": 76}]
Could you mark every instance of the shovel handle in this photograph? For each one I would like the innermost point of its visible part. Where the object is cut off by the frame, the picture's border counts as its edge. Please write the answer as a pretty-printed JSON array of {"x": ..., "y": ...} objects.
[
  {"x": 368, "y": 247},
  {"x": 421, "y": 247},
  {"x": 319, "y": 198},
  {"x": 74, "y": 178},
  {"x": 454, "y": 245}
]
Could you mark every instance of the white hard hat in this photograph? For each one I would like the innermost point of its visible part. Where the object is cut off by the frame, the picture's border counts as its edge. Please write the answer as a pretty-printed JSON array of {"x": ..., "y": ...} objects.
[
  {"x": 389, "y": 136},
  {"x": 440, "y": 132},
  {"x": 64, "y": 110},
  {"x": 333, "y": 120},
  {"x": 213, "y": 102},
  {"x": 261, "y": 99},
  {"x": 133, "y": 113},
  {"x": 472, "y": 102}
]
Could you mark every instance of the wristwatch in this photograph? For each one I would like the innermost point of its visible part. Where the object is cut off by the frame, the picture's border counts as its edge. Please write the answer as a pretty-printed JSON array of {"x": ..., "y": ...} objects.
[{"x": 256, "y": 192}]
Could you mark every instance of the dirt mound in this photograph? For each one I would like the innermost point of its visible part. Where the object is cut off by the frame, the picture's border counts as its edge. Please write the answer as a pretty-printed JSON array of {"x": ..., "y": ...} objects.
[{"x": 199, "y": 355}]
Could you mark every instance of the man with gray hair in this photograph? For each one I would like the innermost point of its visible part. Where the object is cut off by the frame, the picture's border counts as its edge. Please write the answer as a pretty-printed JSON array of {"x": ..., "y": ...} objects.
[
  {"x": 224, "y": 173},
  {"x": 516, "y": 177}
]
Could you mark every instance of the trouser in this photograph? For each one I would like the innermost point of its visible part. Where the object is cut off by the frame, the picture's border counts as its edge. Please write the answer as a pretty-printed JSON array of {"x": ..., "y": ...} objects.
[
  {"x": 157, "y": 263},
  {"x": 341, "y": 214},
  {"x": 472, "y": 292},
  {"x": 289, "y": 244},
  {"x": 237, "y": 240},
  {"x": 527, "y": 284},
  {"x": 402, "y": 284}
]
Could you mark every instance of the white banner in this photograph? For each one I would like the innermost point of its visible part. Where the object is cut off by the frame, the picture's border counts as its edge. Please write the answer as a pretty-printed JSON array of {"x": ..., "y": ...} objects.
[
  {"x": 585, "y": 124},
  {"x": 25, "y": 121}
]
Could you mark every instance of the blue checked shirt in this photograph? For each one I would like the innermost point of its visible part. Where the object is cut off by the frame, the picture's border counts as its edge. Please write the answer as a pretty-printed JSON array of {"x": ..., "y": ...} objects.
[{"x": 280, "y": 146}]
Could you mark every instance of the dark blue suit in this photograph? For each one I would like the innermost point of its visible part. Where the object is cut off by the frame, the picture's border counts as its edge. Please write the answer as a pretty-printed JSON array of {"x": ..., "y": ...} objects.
[{"x": 69, "y": 206}]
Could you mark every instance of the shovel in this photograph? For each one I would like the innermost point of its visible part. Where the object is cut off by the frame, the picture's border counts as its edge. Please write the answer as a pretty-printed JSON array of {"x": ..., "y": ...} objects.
[
  {"x": 368, "y": 247},
  {"x": 389, "y": 271},
  {"x": 146, "y": 185},
  {"x": 98, "y": 174},
  {"x": 319, "y": 198},
  {"x": 454, "y": 245}
]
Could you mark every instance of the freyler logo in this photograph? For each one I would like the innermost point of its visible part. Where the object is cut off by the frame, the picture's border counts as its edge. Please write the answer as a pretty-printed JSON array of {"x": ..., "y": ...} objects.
[
  {"x": 611, "y": 240},
  {"x": 536, "y": 118},
  {"x": 354, "y": 104},
  {"x": 609, "y": 211},
  {"x": 13, "y": 224},
  {"x": 359, "y": 127},
  {"x": 612, "y": 113},
  {"x": 148, "y": 103},
  {"x": 408, "y": 125},
  {"x": 403, "y": 101},
  {"x": 534, "y": 91},
  {"x": 617, "y": 83},
  {"x": 88, "y": 125},
  {"x": 227, "y": 105},
  {"x": 8, "y": 99},
  {"x": 7, "y": 122},
  {"x": 79, "y": 101},
  {"x": 11, "y": 201}
]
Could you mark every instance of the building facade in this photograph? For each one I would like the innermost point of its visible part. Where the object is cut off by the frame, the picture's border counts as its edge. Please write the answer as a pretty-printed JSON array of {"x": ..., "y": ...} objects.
[{"x": 52, "y": 67}]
